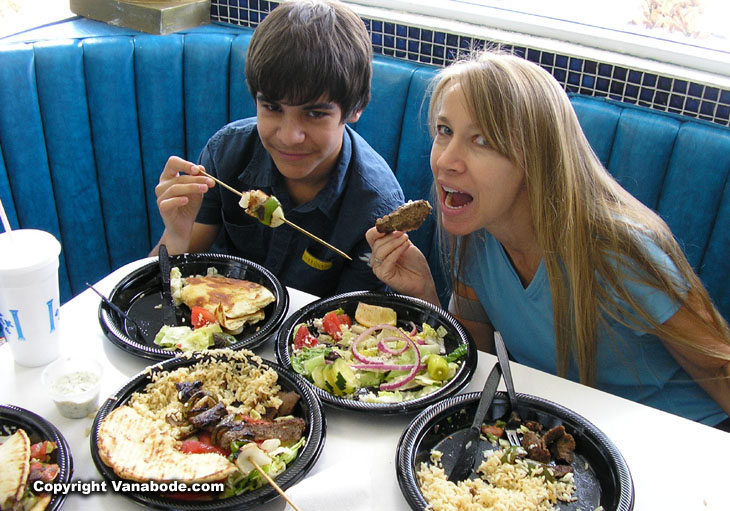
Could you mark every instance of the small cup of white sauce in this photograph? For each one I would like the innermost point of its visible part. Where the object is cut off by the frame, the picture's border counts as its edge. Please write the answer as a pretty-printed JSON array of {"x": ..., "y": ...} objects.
[{"x": 73, "y": 384}]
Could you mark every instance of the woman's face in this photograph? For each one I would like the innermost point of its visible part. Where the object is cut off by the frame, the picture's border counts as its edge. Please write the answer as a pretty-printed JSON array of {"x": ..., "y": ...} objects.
[{"x": 477, "y": 186}]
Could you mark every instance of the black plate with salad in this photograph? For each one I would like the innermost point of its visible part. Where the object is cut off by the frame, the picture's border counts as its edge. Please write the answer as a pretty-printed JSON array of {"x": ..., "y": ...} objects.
[
  {"x": 58, "y": 462},
  {"x": 288, "y": 463},
  {"x": 600, "y": 474},
  {"x": 380, "y": 353},
  {"x": 139, "y": 295}
]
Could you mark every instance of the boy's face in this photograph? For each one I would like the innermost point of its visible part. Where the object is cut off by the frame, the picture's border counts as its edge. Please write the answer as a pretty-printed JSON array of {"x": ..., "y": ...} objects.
[{"x": 304, "y": 140}]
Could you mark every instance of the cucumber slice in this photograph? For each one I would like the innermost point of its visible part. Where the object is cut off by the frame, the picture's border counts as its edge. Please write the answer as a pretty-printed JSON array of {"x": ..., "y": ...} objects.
[
  {"x": 342, "y": 378},
  {"x": 318, "y": 377},
  {"x": 314, "y": 362}
]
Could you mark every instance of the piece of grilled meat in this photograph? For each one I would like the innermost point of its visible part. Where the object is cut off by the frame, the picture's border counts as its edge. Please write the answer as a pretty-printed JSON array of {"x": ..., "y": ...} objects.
[{"x": 407, "y": 217}]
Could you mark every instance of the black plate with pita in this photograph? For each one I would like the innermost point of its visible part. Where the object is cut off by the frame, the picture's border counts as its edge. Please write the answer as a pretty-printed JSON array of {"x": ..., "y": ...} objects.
[
  {"x": 309, "y": 407},
  {"x": 39, "y": 429},
  {"x": 139, "y": 295}
]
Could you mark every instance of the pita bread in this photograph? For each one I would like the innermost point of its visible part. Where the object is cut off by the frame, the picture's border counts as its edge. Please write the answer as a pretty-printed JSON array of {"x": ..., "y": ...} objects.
[
  {"x": 234, "y": 302},
  {"x": 15, "y": 464},
  {"x": 41, "y": 503},
  {"x": 137, "y": 450}
]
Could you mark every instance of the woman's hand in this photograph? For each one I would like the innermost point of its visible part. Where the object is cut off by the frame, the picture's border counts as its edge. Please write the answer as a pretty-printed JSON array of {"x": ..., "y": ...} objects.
[
  {"x": 179, "y": 197},
  {"x": 397, "y": 262}
]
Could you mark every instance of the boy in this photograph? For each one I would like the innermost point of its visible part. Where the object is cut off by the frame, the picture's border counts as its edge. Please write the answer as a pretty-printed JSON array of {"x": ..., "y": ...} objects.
[{"x": 308, "y": 68}]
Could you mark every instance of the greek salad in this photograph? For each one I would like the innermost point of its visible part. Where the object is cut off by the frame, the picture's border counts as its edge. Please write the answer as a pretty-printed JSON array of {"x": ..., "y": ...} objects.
[{"x": 370, "y": 358}]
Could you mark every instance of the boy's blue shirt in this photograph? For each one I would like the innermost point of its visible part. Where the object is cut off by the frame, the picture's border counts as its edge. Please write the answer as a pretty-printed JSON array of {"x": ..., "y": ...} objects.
[{"x": 360, "y": 189}]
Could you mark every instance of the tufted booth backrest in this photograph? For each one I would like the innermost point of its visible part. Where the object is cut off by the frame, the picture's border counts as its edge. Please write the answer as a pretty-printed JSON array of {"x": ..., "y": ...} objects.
[
  {"x": 678, "y": 167},
  {"x": 90, "y": 114}
]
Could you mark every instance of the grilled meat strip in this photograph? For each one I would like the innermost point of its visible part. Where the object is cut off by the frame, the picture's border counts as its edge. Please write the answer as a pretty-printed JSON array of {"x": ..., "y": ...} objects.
[
  {"x": 203, "y": 411},
  {"x": 287, "y": 430},
  {"x": 407, "y": 217}
]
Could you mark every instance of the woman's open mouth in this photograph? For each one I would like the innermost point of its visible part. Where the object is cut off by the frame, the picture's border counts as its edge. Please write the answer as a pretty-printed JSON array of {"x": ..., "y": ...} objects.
[{"x": 455, "y": 199}]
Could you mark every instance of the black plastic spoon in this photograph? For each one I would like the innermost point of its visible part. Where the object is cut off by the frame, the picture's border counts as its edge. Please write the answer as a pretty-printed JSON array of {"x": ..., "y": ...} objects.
[{"x": 460, "y": 449}]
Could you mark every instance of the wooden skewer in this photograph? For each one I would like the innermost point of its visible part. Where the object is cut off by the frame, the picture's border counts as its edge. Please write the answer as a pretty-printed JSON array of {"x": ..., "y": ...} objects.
[
  {"x": 273, "y": 484},
  {"x": 303, "y": 231}
]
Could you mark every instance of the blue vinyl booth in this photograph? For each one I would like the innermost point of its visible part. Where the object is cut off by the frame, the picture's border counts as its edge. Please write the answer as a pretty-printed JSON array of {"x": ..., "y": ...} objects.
[{"x": 89, "y": 113}]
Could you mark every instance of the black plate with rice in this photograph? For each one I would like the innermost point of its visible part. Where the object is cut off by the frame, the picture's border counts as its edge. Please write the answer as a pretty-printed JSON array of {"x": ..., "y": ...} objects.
[
  {"x": 309, "y": 407},
  {"x": 601, "y": 476}
]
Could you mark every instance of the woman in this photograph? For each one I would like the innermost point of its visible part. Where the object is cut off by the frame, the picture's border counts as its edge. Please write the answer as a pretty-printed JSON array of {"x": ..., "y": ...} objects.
[{"x": 580, "y": 278}]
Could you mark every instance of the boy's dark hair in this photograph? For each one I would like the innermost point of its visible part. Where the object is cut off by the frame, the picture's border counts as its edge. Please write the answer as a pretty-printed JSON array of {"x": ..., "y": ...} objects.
[{"x": 306, "y": 49}]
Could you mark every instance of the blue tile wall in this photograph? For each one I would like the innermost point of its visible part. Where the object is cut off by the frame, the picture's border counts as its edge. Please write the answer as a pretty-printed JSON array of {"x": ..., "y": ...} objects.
[{"x": 575, "y": 74}]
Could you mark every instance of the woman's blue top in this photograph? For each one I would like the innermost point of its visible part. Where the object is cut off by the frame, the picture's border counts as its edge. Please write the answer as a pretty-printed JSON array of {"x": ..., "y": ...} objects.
[{"x": 631, "y": 363}]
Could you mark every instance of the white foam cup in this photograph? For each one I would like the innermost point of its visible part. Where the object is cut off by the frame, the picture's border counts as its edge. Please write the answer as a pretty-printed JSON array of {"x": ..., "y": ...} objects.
[{"x": 29, "y": 302}]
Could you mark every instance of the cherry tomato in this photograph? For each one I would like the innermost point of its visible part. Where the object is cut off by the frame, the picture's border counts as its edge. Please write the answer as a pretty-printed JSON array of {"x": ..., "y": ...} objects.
[
  {"x": 201, "y": 317},
  {"x": 304, "y": 339},
  {"x": 198, "y": 447}
]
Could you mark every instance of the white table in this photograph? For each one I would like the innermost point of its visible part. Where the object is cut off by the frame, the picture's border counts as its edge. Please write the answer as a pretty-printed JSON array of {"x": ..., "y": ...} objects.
[{"x": 676, "y": 464}]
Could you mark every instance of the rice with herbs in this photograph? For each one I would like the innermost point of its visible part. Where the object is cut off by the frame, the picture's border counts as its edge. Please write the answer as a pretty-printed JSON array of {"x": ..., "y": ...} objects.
[
  {"x": 237, "y": 378},
  {"x": 500, "y": 487}
]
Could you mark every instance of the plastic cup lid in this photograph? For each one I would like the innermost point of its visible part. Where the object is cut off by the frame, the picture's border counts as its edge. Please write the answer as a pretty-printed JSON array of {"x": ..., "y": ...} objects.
[{"x": 25, "y": 250}]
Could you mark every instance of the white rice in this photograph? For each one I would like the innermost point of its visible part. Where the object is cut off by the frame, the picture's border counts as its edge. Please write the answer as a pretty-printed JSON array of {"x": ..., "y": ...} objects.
[
  {"x": 237, "y": 378},
  {"x": 501, "y": 487}
]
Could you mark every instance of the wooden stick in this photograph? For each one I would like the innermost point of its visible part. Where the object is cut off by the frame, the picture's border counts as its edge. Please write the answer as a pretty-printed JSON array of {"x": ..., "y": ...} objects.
[
  {"x": 273, "y": 484},
  {"x": 303, "y": 231}
]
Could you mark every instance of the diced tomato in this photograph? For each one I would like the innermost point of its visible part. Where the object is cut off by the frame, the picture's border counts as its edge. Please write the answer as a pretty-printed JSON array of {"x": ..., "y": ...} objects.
[
  {"x": 40, "y": 450},
  {"x": 304, "y": 338},
  {"x": 49, "y": 473},
  {"x": 44, "y": 471},
  {"x": 251, "y": 420},
  {"x": 200, "y": 316},
  {"x": 332, "y": 321},
  {"x": 197, "y": 447},
  {"x": 344, "y": 319}
]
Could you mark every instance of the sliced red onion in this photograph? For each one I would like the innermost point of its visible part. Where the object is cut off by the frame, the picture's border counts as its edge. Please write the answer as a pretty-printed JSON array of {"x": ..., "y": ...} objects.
[
  {"x": 414, "y": 329},
  {"x": 385, "y": 367},
  {"x": 385, "y": 349},
  {"x": 370, "y": 363},
  {"x": 412, "y": 374},
  {"x": 362, "y": 358}
]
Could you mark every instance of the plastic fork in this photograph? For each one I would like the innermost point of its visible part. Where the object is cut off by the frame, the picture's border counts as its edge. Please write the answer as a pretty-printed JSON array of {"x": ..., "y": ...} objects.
[{"x": 514, "y": 420}]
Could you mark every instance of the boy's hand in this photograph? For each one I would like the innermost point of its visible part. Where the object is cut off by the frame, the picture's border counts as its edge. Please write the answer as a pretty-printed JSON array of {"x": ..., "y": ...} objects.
[
  {"x": 179, "y": 196},
  {"x": 397, "y": 262}
]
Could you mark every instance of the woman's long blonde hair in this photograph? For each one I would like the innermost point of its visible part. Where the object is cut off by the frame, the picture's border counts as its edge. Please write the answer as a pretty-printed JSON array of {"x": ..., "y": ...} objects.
[{"x": 589, "y": 228}]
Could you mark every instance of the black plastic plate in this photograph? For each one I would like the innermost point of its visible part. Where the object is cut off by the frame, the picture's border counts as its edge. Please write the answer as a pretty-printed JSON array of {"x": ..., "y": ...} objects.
[
  {"x": 309, "y": 408},
  {"x": 139, "y": 295},
  {"x": 600, "y": 473},
  {"x": 38, "y": 429},
  {"x": 408, "y": 309}
]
